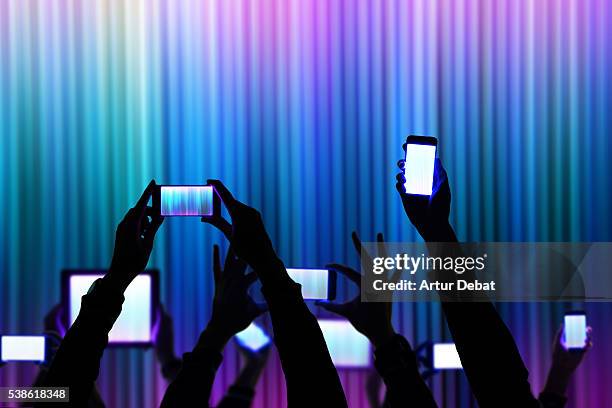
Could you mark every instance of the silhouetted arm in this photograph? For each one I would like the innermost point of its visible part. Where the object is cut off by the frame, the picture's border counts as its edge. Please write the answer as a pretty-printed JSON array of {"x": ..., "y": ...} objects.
[
  {"x": 77, "y": 361},
  {"x": 488, "y": 353},
  {"x": 564, "y": 364},
  {"x": 193, "y": 384},
  {"x": 242, "y": 391},
  {"x": 302, "y": 350},
  {"x": 397, "y": 365},
  {"x": 233, "y": 310}
]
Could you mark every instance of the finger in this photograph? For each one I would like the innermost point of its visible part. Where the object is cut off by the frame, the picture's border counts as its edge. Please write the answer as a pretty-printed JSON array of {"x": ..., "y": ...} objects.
[
  {"x": 216, "y": 263},
  {"x": 337, "y": 308},
  {"x": 401, "y": 164},
  {"x": 401, "y": 178},
  {"x": 250, "y": 278},
  {"x": 144, "y": 198},
  {"x": 227, "y": 197},
  {"x": 220, "y": 223},
  {"x": 401, "y": 188},
  {"x": 363, "y": 254},
  {"x": 382, "y": 248},
  {"x": 350, "y": 273},
  {"x": 234, "y": 263}
]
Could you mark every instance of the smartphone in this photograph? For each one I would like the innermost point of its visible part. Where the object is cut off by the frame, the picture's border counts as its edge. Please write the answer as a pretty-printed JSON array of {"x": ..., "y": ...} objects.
[
  {"x": 317, "y": 284},
  {"x": 419, "y": 167},
  {"x": 22, "y": 348},
  {"x": 186, "y": 201},
  {"x": 134, "y": 326},
  {"x": 347, "y": 347},
  {"x": 445, "y": 357},
  {"x": 574, "y": 330},
  {"x": 253, "y": 337}
]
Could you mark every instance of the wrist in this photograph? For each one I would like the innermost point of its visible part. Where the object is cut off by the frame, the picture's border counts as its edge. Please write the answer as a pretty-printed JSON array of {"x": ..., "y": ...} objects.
[
  {"x": 439, "y": 232},
  {"x": 556, "y": 383},
  {"x": 382, "y": 338},
  {"x": 116, "y": 279},
  {"x": 212, "y": 338}
]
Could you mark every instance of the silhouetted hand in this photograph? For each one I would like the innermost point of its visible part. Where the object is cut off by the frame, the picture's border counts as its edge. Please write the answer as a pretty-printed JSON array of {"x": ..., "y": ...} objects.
[
  {"x": 372, "y": 319},
  {"x": 565, "y": 362},
  {"x": 134, "y": 241},
  {"x": 164, "y": 338},
  {"x": 429, "y": 214},
  {"x": 233, "y": 308},
  {"x": 247, "y": 233}
]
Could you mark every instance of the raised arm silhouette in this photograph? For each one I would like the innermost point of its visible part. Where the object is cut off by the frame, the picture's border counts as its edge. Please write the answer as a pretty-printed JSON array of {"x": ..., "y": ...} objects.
[
  {"x": 395, "y": 360},
  {"x": 77, "y": 361},
  {"x": 310, "y": 375},
  {"x": 477, "y": 329}
]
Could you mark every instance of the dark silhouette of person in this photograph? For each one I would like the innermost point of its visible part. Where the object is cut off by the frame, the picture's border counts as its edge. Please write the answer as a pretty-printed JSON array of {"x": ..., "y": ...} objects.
[
  {"x": 489, "y": 356},
  {"x": 233, "y": 310},
  {"x": 77, "y": 362},
  {"x": 310, "y": 376},
  {"x": 564, "y": 364},
  {"x": 394, "y": 359}
]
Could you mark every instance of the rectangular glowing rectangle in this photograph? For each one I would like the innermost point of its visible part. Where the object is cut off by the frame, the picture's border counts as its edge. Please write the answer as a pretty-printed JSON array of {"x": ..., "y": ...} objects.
[
  {"x": 315, "y": 282},
  {"x": 575, "y": 331},
  {"x": 186, "y": 201},
  {"x": 134, "y": 322},
  {"x": 23, "y": 348},
  {"x": 253, "y": 337},
  {"x": 446, "y": 357},
  {"x": 419, "y": 168},
  {"x": 347, "y": 347}
]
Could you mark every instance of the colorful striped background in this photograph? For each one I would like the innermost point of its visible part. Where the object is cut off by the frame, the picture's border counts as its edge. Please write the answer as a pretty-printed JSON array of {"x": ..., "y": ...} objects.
[{"x": 301, "y": 108}]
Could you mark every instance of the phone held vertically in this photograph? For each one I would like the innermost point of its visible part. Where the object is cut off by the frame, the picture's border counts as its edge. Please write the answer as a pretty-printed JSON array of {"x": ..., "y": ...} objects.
[{"x": 419, "y": 166}]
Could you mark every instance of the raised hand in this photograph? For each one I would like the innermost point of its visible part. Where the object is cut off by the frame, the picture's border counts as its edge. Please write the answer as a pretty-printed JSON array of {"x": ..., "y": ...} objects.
[
  {"x": 164, "y": 338},
  {"x": 429, "y": 214},
  {"x": 134, "y": 240},
  {"x": 247, "y": 233},
  {"x": 372, "y": 319},
  {"x": 233, "y": 307}
]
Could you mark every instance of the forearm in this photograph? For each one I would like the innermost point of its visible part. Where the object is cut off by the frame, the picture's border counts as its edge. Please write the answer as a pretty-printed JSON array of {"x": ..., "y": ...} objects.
[
  {"x": 478, "y": 331},
  {"x": 557, "y": 382},
  {"x": 193, "y": 384},
  {"x": 77, "y": 361},
  {"x": 300, "y": 343},
  {"x": 397, "y": 365}
]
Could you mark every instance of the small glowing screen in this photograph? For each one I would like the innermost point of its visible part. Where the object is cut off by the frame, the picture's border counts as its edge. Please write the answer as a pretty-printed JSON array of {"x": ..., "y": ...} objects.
[
  {"x": 419, "y": 168},
  {"x": 186, "y": 200}
]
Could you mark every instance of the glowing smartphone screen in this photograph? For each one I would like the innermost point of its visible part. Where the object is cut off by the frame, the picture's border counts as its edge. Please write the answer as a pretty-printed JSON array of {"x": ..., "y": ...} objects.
[
  {"x": 347, "y": 347},
  {"x": 575, "y": 331},
  {"x": 314, "y": 282},
  {"x": 186, "y": 200},
  {"x": 419, "y": 168},
  {"x": 445, "y": 357},
  {"x": 23, "y": 348},
  {"x": 253, "y": 337},
  {"x": 134, "y": 322}
]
